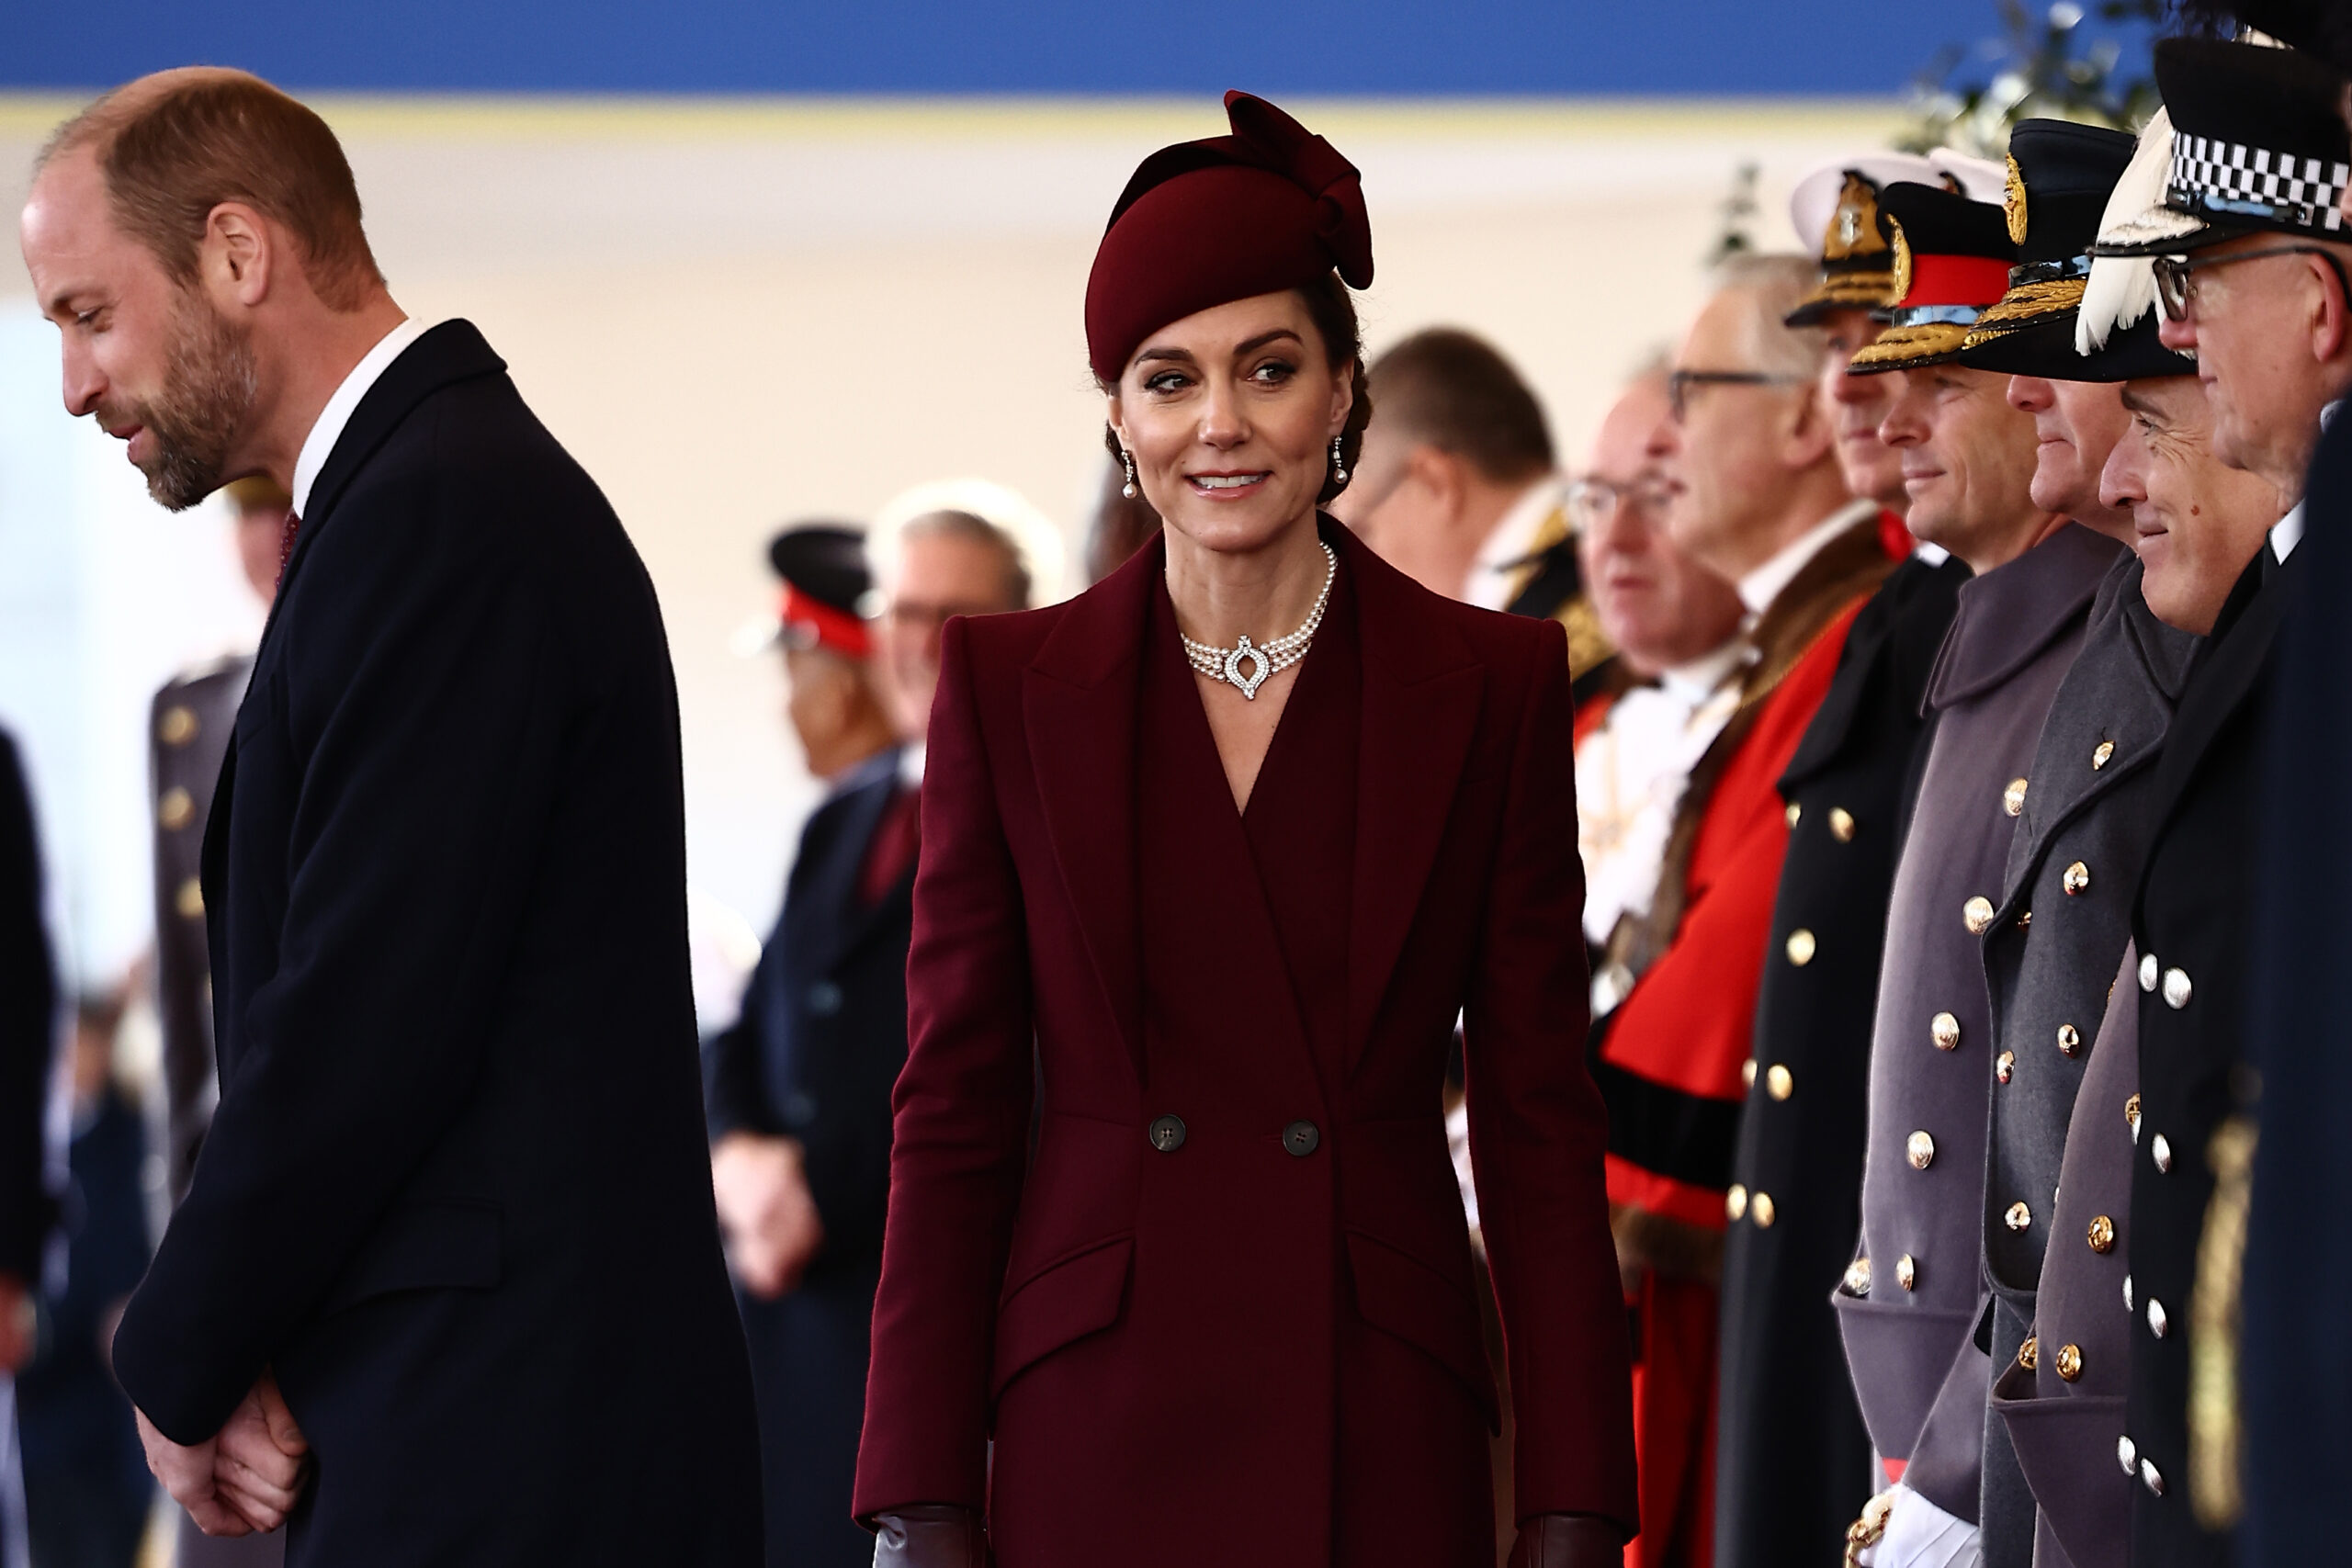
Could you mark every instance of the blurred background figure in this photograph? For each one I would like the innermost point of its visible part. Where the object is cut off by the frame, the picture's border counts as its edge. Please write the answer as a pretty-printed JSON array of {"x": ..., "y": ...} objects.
[
  {"x": 954, "y": 548},
  {"x": 187, "y": 734},
  {"x": 87, "y": 1494},
  {"x": 1673, "y": 682},
  {"x": 1124, "y": 523},
  {"x": 799, "y": 1088},
  {"x": 28, "y": 1018},
  {"x": 1457, "y": 487}
]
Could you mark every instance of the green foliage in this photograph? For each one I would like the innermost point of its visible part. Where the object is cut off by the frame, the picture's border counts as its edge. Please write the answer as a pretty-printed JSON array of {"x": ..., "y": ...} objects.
[{"x": 2049, "y": 68}]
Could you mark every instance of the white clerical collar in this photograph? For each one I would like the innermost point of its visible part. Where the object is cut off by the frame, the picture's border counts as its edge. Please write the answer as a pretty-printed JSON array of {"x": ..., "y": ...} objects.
[
  {"x": 1761, "y": 586},
  {"x": 1695, "y": 682},
  {"x": 319, "y": 445},
  {"x": 2286, "y": 533},
  {"x": 1513, "y": 538}
]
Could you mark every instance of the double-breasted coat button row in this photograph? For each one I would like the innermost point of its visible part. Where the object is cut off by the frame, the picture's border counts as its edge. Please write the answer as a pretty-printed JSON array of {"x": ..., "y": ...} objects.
[
  {"x": 1300, "y": 1139},
  {"x": 1778, "y": 1082},
  {"x": 2176, "y": 983},
  {"x": 2127, "y": 1454},
  {"x": 1739, "y": 1203},
  {"x": 1841, "y": 822}
]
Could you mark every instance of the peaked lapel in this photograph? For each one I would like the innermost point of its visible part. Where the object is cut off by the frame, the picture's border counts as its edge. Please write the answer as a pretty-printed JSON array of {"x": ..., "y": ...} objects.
[
  {"x": 454, "y": 351},
  {"x": 1422, "y": 691},
  {"x": 1078, "y": 703},
  {"x": 822, "y": 910}
]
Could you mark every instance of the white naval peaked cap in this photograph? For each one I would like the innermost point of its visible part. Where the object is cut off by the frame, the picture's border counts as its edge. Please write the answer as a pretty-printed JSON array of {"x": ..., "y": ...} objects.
[
  {"x": 1813, "y": 202},
  {"x": 1035, "y": 538},
  {"x": 2122, "y": 290},
  {"x": 1979, "y": 179}
]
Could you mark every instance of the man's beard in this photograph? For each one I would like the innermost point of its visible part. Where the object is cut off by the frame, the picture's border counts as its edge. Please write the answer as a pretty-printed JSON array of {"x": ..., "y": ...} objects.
[{"x": 211, "y": 384}]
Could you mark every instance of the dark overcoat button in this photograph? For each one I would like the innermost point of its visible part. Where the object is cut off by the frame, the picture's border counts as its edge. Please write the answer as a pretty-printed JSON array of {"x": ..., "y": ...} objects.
[
  {"x": 1301, "y": 1138},
  {"x": 825, "y": 998},
  {"x": 1168, "y": 1134}
]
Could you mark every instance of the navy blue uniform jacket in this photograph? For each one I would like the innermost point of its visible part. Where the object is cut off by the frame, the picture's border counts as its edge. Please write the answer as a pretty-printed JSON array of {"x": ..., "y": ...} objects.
[{"x": 456, "y": 1192}]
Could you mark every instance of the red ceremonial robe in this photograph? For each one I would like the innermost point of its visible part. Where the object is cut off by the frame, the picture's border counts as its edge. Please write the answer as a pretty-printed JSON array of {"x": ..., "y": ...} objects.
[
  {"x": 1226, "y": 1315},
  {"x": 1672, "y": 1054}
]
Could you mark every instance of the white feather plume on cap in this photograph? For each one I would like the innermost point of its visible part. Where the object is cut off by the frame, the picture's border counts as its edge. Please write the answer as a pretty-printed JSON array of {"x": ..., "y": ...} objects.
[{"x": 2122, "y": 290}]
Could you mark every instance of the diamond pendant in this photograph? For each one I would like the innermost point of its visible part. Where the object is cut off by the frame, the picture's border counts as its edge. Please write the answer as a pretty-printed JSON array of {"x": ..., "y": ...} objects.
[{"x": 1261, "y": 670}]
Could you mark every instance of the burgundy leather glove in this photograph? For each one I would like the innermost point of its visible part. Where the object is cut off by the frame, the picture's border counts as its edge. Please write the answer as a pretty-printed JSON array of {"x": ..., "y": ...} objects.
[
  {"x": 930, "y": 1535},
  {"x": 1566, "y": 1541}
]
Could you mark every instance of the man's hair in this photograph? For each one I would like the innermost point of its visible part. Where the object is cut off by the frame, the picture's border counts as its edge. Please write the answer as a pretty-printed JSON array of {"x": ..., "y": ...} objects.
[
  {"x": 1448, "y": 388},
  {"x": 1772, "y": 285},
  {"x": 175, "y": 145},
  {"x": 1017, "y": 587}
]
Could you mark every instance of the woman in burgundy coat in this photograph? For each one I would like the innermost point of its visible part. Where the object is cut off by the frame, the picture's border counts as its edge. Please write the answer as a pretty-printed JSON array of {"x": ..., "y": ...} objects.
[{"x": 1214, "y": 856}]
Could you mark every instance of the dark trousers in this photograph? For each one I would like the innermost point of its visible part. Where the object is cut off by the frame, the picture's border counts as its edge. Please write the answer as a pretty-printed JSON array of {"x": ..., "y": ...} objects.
[{"x": 808, "y": 1354}]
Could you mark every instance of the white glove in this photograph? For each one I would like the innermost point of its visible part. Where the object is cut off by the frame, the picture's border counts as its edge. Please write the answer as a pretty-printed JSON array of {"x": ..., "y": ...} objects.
[{"x": 1920, "y": 1535}]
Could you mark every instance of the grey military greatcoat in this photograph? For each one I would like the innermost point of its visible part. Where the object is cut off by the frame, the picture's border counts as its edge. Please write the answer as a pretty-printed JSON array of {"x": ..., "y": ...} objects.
[
  {"x": 2085, "y": 812},
  {"x": 1909, "y": 1305},
  {"x": 2061, "y": 1395}
]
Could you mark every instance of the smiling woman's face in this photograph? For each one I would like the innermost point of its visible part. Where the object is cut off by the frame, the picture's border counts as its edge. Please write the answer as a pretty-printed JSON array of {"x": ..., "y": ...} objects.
[{"x": 1229, "y": 415}]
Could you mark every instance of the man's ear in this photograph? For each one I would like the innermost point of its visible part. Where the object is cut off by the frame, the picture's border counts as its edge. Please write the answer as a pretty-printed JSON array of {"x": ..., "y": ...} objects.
[
  {"x": 237, "y": 255},
  {"x": 1440, "y": 473},
  {"x": 2331, "y": 319},
  {"x": 1812, "y": 434}
]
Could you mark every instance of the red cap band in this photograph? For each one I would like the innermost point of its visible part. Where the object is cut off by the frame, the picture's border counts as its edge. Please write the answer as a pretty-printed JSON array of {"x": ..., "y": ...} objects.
[
  {"x": 812, "y": 623},
  {"x": 1955, "y": 280}
]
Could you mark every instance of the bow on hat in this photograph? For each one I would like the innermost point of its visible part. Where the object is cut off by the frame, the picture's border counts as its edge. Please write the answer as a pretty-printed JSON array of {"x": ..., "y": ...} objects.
[{"x": 1200, "y": 224}]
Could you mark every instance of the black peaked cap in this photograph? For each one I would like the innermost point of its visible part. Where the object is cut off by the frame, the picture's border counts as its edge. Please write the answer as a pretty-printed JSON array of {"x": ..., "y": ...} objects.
[
  {"x": 825, "y": 561},
  {"x": 1939, "y": 222},
  {"x": 2046, "y": 349},
  {"x": 2067, "y": 171},
  {"x": 2258, "y": 139}
]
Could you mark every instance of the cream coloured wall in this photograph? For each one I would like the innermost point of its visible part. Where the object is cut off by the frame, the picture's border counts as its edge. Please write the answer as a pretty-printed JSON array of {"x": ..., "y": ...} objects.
[{"x": 741, "y": 313}]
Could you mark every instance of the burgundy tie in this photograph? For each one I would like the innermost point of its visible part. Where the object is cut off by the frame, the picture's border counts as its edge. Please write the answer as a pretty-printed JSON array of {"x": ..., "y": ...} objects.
[
  {"x": 890, "y": 853},
  {"x": 286, "y": 545}
]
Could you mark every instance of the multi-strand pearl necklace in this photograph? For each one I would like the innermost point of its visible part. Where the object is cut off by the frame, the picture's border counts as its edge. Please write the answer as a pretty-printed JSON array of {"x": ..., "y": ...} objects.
[{"x": 1225, "y": 663}]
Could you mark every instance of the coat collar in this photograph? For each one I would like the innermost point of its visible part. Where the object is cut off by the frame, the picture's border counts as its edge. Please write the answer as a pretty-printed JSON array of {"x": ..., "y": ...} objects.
[
  {"x": 1081, "y": 698},
  {"x": 2010, "y": 614}
]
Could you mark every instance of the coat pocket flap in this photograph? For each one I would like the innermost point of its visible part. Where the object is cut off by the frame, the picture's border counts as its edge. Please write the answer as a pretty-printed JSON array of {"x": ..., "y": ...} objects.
[
  {"x": 1899, "y": 1357},
  {"x": 440, "y": 1244},
  {"x": 1078, "y": 1296},
  {"x": 1399, "y": 1294},
  {"x": 2066, "y": 1447}
]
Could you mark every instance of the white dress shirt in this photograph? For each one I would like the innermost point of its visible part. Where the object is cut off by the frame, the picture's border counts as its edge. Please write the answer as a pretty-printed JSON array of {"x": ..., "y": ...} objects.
[
  {"x": 1496, "y": 570},
  {"x": 319, "y": 445},
  {"x": 2286, "y": 533}
]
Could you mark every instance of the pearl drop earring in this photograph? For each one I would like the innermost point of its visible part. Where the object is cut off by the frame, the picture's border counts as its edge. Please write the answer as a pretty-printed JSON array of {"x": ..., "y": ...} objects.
[{"x": 1128, "y": 490}]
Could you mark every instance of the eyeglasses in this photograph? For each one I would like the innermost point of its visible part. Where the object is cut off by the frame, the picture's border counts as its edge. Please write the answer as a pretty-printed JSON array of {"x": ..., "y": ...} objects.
[
  {"x": 1678, "y": 385},
  {"x": 1592, "y": 503},
  {"x": 2176, "y": 276}
]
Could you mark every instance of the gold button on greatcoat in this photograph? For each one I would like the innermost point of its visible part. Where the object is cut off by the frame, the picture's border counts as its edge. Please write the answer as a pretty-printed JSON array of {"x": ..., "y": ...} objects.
[
  {"x": 1944, "y": 1030},
  {"x": 1858, "y": 1277},
  {"x": 2013, "y": 798},
  {"x": 2131, "y": 1116},
  {"x": 1778, "y": 1083},
  {"x": 1906, "y": 1272},
  {"x": 2177, "y": 989},
  {"x": 1759, "y": 1209},
  {"x": 1801, "y": 947},
  {"x": 190, "y": 900},
  {"x": 1736, "y": 1202},
  {"x": 1747, "y": 1073},
  {"x": 2028, "y": 1353},
  {"x": 2070, "y": 1361},
  {"x": 2077, "y": 880},
  {"x": 1978, "y": 914},
  {"x": 2020, "y": 1217},
  {"x": 2006, "y": 1066},
  {"x": 2070, "y": 1040},
  {"x": 175, "y": 809},
  {"x": 1920, "y": 1149},
  {"x": 1841, "y": 824},
  {"x": 2102, "y": 1236},
  {"x": 1796, "y": 814},
  {"x": 177, "y": 726},
  {"x": 2100, "y": 753}
]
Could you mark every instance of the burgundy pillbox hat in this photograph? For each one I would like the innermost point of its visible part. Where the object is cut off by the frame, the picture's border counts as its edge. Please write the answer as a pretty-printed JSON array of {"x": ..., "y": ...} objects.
[{"x": 1203, "y": 223}]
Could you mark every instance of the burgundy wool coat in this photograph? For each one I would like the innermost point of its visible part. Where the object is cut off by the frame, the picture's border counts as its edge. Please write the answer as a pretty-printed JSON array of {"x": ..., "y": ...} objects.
[{"x": 1257, "y": 1342}]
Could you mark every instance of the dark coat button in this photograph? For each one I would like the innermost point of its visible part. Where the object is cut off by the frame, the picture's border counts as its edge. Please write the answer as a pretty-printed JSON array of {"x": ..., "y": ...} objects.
[
  {"x": 1168, "y": 1134},
  {"x": 825, "y": 998},
  {"x": 1301, "y": 1138}
]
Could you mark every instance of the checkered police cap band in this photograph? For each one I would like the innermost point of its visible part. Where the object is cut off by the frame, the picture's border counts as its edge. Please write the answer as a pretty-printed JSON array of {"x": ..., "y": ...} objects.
[{"x": 2230, "y": 179}]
